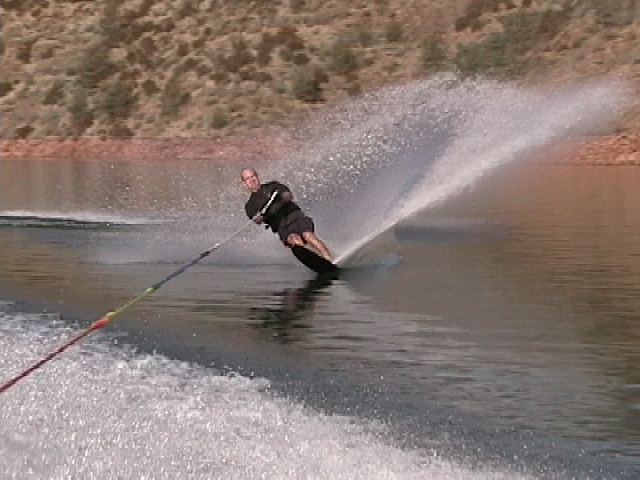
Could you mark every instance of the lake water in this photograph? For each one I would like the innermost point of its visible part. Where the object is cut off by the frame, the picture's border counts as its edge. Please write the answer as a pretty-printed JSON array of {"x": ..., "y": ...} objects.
[{"x": 493, "y": 333}]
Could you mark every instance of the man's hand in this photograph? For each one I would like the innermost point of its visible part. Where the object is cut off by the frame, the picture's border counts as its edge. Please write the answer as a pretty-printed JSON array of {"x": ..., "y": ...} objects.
[{"x": 258, "y": 218}]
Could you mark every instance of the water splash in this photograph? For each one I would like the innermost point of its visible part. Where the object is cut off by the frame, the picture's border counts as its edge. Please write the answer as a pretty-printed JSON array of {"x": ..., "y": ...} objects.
[
  {"x": 373, "y": 161},
  {"x": 376, "y": 160}
]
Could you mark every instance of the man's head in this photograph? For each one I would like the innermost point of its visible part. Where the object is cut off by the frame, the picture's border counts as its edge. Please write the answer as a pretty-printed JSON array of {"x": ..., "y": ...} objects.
[{"x": 250, "y": 179}]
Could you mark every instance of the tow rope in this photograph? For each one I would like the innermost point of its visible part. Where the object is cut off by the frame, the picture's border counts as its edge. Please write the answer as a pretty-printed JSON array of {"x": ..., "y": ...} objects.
[{"x": 105, "y": 319}]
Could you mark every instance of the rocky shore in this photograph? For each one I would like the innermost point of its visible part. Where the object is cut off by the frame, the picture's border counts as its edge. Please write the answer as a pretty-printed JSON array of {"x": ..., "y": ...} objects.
[
  {"x": 250, "y": 148},
  {"x": 615, "y": 150}
]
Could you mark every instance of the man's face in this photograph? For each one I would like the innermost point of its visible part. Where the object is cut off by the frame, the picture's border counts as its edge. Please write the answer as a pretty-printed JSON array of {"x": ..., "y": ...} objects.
[{"x": 250, "y": 180}]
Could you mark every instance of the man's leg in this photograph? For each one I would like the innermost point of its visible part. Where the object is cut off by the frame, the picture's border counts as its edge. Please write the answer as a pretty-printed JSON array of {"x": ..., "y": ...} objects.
[
  {"x": 318, "y": 244},
  {"x": 295, "y": 240}
]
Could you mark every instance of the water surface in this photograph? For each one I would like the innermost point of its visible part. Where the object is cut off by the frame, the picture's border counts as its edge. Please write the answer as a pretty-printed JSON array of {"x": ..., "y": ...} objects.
[{"x": 487, "y": 326}]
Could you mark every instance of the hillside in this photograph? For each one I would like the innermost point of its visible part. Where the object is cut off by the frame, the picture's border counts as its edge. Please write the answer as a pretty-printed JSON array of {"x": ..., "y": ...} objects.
[{"x": 202, "y": 68}]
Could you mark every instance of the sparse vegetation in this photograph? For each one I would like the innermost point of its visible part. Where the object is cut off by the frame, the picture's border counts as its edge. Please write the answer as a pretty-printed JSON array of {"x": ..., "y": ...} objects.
[
  {"x": 503, "y": 54},
  {"x": 341, "y": 58},
  {"x": 24, "y": 131},
  {"x": 118, "y": 100},
  {"x": 219, "y": 119},
  {"x": 55, "y": 94},
  {"x": 472, "y": 18},
  {"x": 24, "y": 51},
  {"x": 129, "y": 66},
  {"x": 394, "y": 31},
  {"x": 434, "y": 55},
  {"x": 109, "y": 25},
  {"x": 149, "y": 87},
  {"x": 120, "y": 130},
  {"x": 95, "y": 65},
  {"x": 5, "y": 88},
  {"x": 615, "y": 13},
  {"x": 306, "y": 86},
  {"x": 173, "y": 97},
  {"x": 239, "y": 57},
  {"x": 81, "y": 114},
  {"x": 296, "y": 5}
]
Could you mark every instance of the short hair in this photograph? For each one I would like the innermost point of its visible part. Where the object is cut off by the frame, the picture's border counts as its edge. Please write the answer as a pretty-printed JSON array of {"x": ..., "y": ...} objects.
[{"x": 252, "y": 170}]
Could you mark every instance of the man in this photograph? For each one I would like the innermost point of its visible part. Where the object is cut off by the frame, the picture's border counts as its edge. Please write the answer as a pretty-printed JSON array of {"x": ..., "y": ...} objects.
[{"x": 283, "y": 216}]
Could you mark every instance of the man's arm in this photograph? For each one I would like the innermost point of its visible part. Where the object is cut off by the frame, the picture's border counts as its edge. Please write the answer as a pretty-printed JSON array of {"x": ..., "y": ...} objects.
[
  {"x": 250, "y": 209},
  {"x": 258, "y": 215},
  {"x": 284, "y": 196},
  {"x": 253, "y": 211}
]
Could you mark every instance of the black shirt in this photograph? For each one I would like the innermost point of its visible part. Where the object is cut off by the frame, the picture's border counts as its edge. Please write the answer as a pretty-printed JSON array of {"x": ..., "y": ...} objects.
[{"x": 278, "y": 210}]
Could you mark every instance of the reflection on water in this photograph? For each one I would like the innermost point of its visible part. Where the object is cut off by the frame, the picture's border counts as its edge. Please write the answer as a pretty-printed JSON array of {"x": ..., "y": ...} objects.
[
  {"x": 549, "y": 301},
  {"x": 296, "y": 306},
  {"x": 517, "y": 301}
]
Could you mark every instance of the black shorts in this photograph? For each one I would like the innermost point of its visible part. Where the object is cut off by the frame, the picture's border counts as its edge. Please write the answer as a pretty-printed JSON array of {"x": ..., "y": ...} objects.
[{"x": 295, "y": 222}]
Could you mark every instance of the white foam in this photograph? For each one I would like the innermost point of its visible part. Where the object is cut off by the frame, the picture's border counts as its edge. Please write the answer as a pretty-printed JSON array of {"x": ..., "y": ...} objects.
[
  {"x": 79, "y": 216},
  {"x": 105, "y": 412}
]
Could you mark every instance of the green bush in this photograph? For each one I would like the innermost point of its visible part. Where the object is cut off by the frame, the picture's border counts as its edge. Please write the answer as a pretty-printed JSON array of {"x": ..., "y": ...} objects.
[
  {"x": 433, "y": 55},
  {"x": 95, "y": 66},
  {"x": 262, "y": 77},
  {"x": 239, "y": 56},
  {"x": 524, "y": 30},
  {"x": 173, "y": 98},
  {"x": 149, "y": 87},
  {"x": 296, "y": 5},
  {"x": 288, "y": 36},
  {"x": 17, "y": 5},
  {"x": 341, "y": 59},
  {"x": 486, "y": 57},
  {"x": 23, "y": 131},
  {"x": 109, "y": 24},
  {"x": 118, "y": 100},
  {"x": 306, "y": 86},
  {"x": 300, "y": 59},
  {"x": 5, "y": 87},
  {"x": 476, "y": 8},
  {"x": 147, "y": 46},
  {"x": 285, "y": 54},
  {"x": 120, "y": 130},
  {"x": 502, "y": 54},
  {"x": 81, "y": 114},
  {"x": 354, "y": 88},
  {"x": 24, "y": 50},
  {"x": 219, "y": 119},
  {"x": 247, "y": 73},
  {"x": 55, "y": 94},
  {"x": 394, "y": 32},
  {"x": 267, "y": 44},
  {"x": 365, "y": 37},
  {"x": 615, "y": 13}
]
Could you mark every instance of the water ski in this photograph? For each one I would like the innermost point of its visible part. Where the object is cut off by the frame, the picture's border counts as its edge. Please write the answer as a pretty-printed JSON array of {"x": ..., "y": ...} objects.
[{"x": 314, "y": 261}]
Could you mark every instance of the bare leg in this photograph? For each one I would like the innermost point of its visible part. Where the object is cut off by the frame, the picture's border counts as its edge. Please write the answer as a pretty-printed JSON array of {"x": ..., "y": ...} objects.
[
  {"x": 294, "y": 240},
  {"x": 318, "y": 244}
]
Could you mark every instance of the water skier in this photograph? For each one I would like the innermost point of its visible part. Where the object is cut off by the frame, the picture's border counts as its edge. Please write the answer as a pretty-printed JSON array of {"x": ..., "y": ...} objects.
[{"x": 284, "y": 216}]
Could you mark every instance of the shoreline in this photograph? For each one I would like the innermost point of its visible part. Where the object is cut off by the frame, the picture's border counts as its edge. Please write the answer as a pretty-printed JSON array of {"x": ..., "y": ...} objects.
[
  {"x": 605, "y": 150},
  {"x": 248, "y": 148}
]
